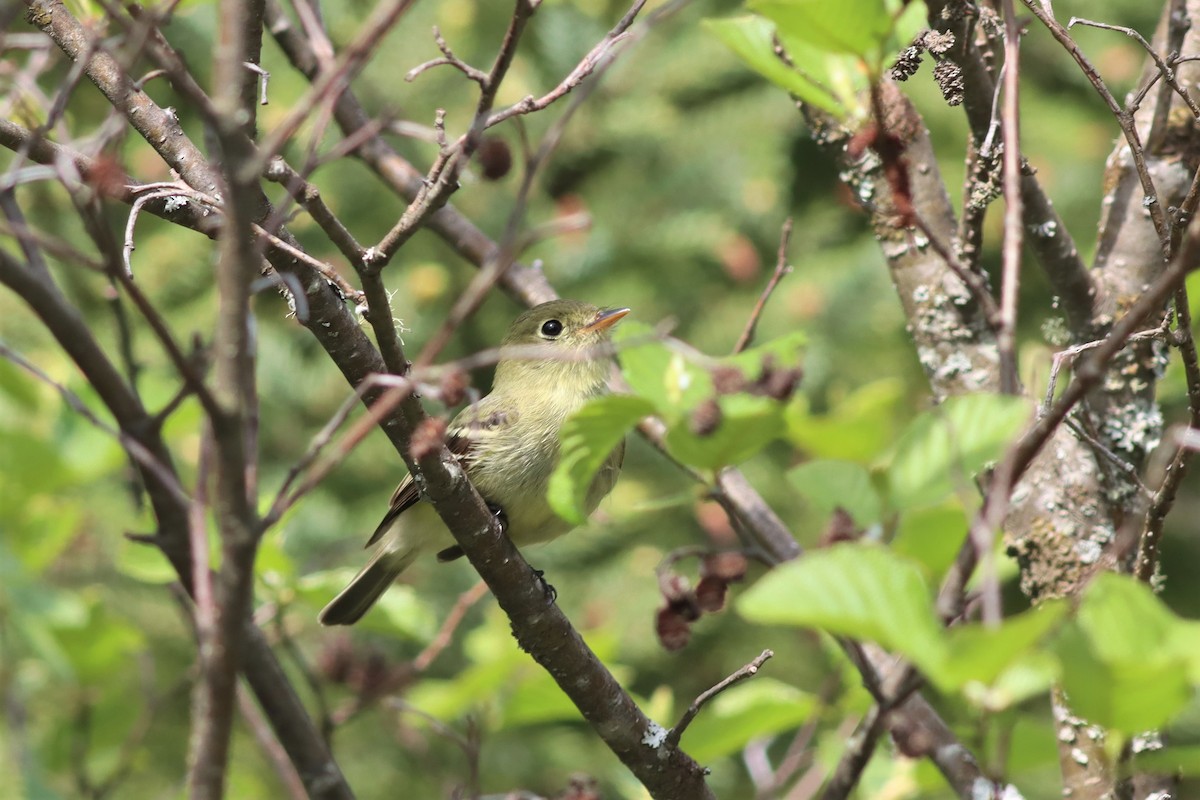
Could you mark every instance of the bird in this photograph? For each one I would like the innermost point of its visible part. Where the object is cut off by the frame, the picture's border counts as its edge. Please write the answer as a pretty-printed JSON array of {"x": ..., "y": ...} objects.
[{"x": 508, "y": 445}]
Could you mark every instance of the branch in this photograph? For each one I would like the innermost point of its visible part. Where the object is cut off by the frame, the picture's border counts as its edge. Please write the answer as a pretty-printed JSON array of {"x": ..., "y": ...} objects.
[
  {"x": 527, "y": 285},
  {"x": 1124, "y": 118},
  {"x": 748, "y": 671},
  {"x": 781, "y": 268},
  {"x": 1050, "y": 240},
  {"x": 1013, "y": 209},
  {"x": 233, "y": 429}
]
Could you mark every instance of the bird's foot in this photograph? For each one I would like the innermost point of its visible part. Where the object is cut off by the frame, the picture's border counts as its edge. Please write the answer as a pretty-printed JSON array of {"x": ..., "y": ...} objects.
[
  {"x": 500, "y": 516},
  {"x": 548, "y": 590}
]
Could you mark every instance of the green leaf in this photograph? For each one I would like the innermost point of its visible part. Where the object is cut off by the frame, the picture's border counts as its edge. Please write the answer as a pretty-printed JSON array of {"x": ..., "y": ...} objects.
[
  {"x": 828, "y": 485},
  {"x": 854, "y": 27},
  {"x": 588, "y": 438},
  {"x": 944, "y": 448},
  {"x": 535, "y": 701},
  {"x": 99, "y": 644},
  {"x": 758, "y": 708},
  {"x": 784, "y": 351},
  {"x": 1126, "y": 659},
  {"x": 747, "y": 424},
  {"x": 979, "y": 653},
  {"x": 659, "y": 374},
  {"x": 751, "y": 39},
  {"x": 1183, "y": 760},
  {"x": 856, "y": 429},
  {"x": 932, "y": 536},
  {"x": 1124, "y": 695},
  {"x": 859, "y": 590}
]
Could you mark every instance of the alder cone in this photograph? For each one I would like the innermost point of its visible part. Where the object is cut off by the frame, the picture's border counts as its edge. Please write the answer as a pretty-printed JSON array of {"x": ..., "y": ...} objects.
[{"x": 495, "y": 158}]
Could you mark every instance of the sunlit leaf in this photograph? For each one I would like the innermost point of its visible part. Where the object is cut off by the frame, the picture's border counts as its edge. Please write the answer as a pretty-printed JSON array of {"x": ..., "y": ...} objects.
[
  {"x": 857, "y": 590},
  {"x": 857, "y": 428},
  {"x": 659, "y": 374},
  {"x": 944, "y": 448},
  {"x": 932, "y": 535},
  {"x": 980, "y": 653},
  {"x": 1125, "y": 659},
  {"x": 855, "y": 27},
  {"x": 746, "y": 424},
  {"x": 750, "y": 37},
  {"x": 588, "y": 438}
]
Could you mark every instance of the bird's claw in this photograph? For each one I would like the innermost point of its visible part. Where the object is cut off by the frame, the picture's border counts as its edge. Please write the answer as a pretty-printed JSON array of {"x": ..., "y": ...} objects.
[
  {"x": 500, "y": 516},
  {"x": 547, "y": 589}
]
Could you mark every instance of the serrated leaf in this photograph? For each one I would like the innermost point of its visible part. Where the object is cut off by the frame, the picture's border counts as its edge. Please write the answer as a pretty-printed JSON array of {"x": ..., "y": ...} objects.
[
  {"x": 854, "y": 27},
  {"x": 977, "y": 652},
  {"x": 932, "y": 535},
  {"x": 1126, "y": 660},
  {"x": 1127, "y": 696},
  {"x": 588, "y": 438},
  {"x": 751, "y": 39},
  {"x": 746, "y": 425},
  {"x": 659, "y": 374},
  {"x": 943, "y": 449},
  {"x": 828, "y": 485},
  {"x": 858, "y": 590},
  {"x": 758, "y": 708}
]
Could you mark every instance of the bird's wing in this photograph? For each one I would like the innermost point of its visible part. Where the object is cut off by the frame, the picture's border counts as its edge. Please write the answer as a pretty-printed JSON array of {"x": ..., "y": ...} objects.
[{"x": 464, "y": 434}]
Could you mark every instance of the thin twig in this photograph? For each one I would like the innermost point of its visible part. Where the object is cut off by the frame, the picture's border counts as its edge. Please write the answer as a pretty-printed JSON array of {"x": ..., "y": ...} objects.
[
  {"x": 1006, "y": 338},
  {"x": 331, "y": 82},
  {"x": 748, "y": 671},
  {"x": 1163, "y": 500},
  {"x": 1164, "y": 69},
  {"x": 1123, "y": 116},
  {"x": 446, "y": 633},
  {"x": 781, "y": 268},
  {"x": 860, "y": 746}
]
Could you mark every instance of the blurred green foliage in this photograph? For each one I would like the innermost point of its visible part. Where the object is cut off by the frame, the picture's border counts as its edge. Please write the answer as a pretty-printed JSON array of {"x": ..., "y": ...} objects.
[{"x": 687, "y": 164}]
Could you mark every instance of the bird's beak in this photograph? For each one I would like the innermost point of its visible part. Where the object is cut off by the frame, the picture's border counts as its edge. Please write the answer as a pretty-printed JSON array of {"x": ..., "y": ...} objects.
[{"x": 605, "y": 319}]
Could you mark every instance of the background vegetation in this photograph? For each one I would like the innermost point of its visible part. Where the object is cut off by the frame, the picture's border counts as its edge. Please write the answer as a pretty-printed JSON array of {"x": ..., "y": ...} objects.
[{"x": 667, "y": 194}]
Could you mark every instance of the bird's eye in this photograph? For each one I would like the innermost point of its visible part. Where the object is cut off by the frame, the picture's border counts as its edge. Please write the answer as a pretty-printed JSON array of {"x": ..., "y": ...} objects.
[{"x": 551, "y": 328}]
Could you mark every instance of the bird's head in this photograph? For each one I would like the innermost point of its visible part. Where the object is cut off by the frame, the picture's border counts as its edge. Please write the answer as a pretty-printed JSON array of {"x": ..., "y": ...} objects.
[{"x": 568, "y": 331}]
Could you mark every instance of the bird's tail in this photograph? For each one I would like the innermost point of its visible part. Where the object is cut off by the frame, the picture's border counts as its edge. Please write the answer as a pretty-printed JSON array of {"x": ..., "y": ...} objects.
[{"x": 371, "y": 582}]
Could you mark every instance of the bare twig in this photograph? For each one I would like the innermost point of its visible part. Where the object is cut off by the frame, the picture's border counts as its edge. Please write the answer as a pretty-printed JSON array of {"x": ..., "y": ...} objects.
[
  {"x": 781, "y": 268},
  {"x": 331, "y": 82},
  {"x": 444, "y": 635},
  {"x": 748, "y": 671},
  {"x": 1006, "y": 338},
  {"x": 860, "y": 746},
  {"x": 1123, "y": 116},
  {"x": 1163, "y": 500},
  {"x": 448, "y": 58},
  {"x": 1165, "y": 70}
]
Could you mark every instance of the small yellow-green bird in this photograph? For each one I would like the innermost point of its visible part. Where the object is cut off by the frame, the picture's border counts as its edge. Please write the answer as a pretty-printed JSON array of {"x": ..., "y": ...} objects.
[{"x": 508, "y": 443}]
